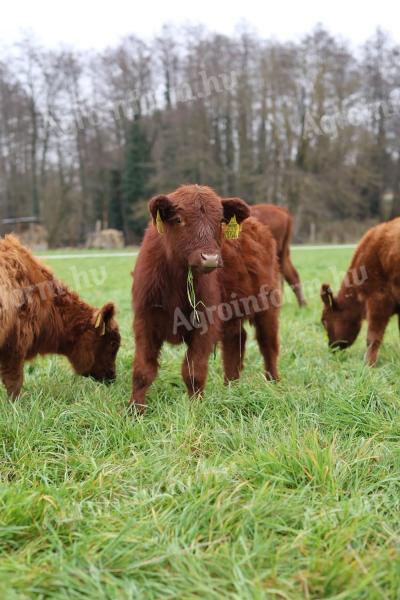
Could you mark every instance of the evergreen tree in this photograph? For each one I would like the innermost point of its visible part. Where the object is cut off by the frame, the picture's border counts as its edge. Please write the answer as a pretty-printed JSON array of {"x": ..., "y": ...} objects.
[{"x": 136, "y": 180}]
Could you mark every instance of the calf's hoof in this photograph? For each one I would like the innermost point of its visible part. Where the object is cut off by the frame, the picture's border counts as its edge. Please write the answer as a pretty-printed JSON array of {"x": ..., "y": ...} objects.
[
  {"x": 370, "y": 361},
  {"x": 273, "y": 377},
  {"x": 136, "y": 407},
  {"x": 14, "y": 394}
]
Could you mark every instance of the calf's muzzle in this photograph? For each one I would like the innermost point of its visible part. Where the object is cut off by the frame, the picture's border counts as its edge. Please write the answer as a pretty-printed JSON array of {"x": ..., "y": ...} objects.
[
  {"x": 210, "y": 261},
  {"x": 204, "y": 262}
]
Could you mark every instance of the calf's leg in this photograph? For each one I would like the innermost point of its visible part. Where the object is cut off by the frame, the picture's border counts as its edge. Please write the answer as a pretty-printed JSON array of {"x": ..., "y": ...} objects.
[
  {"x": 267, "y": 332},
  {"x": 145, "y": 368},
  {"x": 233, "y": 349},
  {"x": 378, "y": 315},
  {"x": 292, "y": 277},
  {"x": 12, "y": 376},
  {"x": 195, "y": 363}
]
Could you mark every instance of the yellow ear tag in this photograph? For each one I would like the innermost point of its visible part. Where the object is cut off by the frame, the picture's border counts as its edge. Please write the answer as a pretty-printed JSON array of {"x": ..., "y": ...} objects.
[
  {"x": 100, "y": 323},
  {"x": 159, "y": 223},
  {"x": 232, "y": 229}
]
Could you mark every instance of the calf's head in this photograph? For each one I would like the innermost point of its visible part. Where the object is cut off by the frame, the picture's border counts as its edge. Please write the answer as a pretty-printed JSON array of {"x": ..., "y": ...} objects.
[
  {"x": 191, "y": 222},
  {"x": 95, "y": 350},
  {"x": 341, "y": 318}
]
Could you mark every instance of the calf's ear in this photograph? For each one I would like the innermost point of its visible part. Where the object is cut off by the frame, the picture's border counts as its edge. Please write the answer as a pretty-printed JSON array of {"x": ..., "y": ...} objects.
[
  {"x": 327, "y": 296},
  {"x": 103, "y": 316},
  {"x": 161, "y": 206},
  {"x": 235, "y": 207}
]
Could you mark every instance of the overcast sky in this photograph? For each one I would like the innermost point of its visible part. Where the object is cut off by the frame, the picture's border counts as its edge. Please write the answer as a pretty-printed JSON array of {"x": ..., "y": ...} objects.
[{"x": 100, "y": 23}]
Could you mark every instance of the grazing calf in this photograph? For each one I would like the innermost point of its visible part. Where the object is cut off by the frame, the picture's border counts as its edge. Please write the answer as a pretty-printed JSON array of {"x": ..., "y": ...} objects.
[
  {"x": 233, "y": 280},
  {"x": 370, "y": 289},
  {"x": 40, "y": 315},
  {"x": 280, "y": 222}
]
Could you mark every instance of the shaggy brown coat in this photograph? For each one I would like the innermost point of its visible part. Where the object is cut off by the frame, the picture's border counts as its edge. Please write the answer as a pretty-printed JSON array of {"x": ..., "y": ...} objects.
[
  {"x": 234, "y": 280},
  {"x": 40, "y": 315},
  {"x": 280, "y": 222},
  {"x": 370, "y": 289}
]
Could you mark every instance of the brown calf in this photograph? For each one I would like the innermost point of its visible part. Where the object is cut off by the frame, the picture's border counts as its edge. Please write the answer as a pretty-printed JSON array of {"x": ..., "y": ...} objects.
[
  {"x": 370, "y": 289},
  {"x": 40, "y": 315},
  {"x": 280, "y": 222},
  {"x": 233, "y": 280}
]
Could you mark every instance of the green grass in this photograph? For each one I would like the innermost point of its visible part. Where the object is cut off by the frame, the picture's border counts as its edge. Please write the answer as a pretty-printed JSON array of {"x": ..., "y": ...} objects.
[{"x": 257, "y": 491}]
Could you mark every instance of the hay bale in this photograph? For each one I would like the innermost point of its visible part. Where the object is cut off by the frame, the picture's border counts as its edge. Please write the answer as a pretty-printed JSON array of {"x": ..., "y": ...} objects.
[
  {"x": 34, "y": 237},
  {"x": 107, "y": 239}
]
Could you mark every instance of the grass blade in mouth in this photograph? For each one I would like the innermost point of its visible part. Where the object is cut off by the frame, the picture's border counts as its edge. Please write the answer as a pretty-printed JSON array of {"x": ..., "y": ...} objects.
[{"x": 191, "y": 294}]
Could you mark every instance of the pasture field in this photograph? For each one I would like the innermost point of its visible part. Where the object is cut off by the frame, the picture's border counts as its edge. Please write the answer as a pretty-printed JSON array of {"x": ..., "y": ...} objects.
[{"x": 259, "y": 490}]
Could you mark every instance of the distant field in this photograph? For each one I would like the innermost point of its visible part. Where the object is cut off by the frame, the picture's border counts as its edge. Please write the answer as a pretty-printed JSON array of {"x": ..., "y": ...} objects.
[{"x": 288, "y": 490}]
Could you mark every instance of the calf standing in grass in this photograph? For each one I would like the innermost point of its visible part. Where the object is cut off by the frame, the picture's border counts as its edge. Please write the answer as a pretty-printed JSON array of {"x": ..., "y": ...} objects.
[
  {"x": 371, "y": 290},
  {"x": 40, "y": 315},
  {"x": 280, "y": 222},
  {"x": 233, "y": 280}
]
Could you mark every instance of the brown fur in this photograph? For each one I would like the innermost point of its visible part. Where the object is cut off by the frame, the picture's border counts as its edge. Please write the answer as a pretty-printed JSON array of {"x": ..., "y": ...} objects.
[
  {"x": 280, "y": 222},
  {"x": 193, "y": 219},
  {"x": 371, "y": 290},
  {"x": 40, "y": 315}
]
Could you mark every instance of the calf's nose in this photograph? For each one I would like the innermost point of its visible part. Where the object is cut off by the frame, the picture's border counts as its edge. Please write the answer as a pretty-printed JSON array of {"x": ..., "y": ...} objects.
[{"x": 210, "y": 261}]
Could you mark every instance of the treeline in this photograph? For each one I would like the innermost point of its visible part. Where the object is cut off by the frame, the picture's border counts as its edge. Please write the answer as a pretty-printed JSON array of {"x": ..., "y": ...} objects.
[{"x": 313, "y": 125}]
